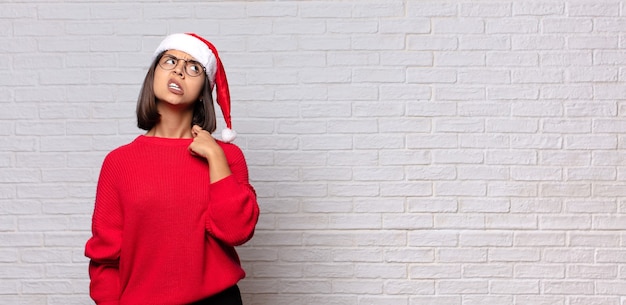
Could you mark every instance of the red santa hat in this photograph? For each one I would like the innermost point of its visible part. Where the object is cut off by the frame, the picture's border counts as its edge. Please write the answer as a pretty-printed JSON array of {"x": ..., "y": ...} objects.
[{"x": 206, "y": 54}]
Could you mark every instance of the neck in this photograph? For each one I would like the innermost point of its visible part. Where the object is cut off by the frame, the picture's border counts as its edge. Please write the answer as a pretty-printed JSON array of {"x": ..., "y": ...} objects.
[{"x": 174, "y": 123}]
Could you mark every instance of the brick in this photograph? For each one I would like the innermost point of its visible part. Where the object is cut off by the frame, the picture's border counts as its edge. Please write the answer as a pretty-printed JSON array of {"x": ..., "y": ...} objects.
[
  {"x": 458, "y": 125},
  {"x": 569, "y": 256},
  {"x": 422, "y": 43},
  {"x": 18, "y": 11},
  {"x": 354, "y": 189},
  {"x": 302, "y": 190},
  {"x": 357, "y": 255},
  {"x": 263, "y": 142},
  {"x": 590, "y": 239},
  {"x": 363, "y": 58},
  {"x": 431, "y": 109},
  {"x": 357, "y": 287},
  {"x": 516, "y": 254},
  {"x": 485, "y": 9},
  {"x": 431, "y": 173},
  {"x": 12, "y": 45},
  {"x": 461, "y": 221},
  {"x": 491, "y": 270},
  {"x": 385, "y": 238},
  {"x": 595, "y": 9},
  {"x": 395, "y": 287},
  {"x": 463, "y": 286},
  {"x": 496, "y": 239},
  {"x": 512, "y": 189},
  {"x": 316, "y": 10},
  {"x": 427, "y": 76},
  {"x": 431, "y": 9},
  {"x": 594, "y": 272},
  {"x": 610, "y": 256},
  {"x": 484, "y": 205},
  {"x": 20, "y": 175},
  {"x": 512, "y": 25},
  {"x": 378, "y": 270},
  {"x": 301, "y": 158},
  {"x": 431, "y": 141},
  {"x": 334, "y": 43},
  {"x": 462, "y": 255},
  {"x": 325, "y": 174},
  {"x": 484, "y": 42},
  {"x": 511, "y": 222},
  {"x": 439, "y": 271},
  {"x": 328, "y": 75},
  {"x": 404, "y": 221},
  {"x": 609, "y": 287},
  {"x": 539, "y": 239},
  {"x": 390, "y": 205},
  {"x": 460, "y": 188},
  {"x": 460, "y": 93},
  {"x": 460, "y": 59},
  {"x": 591, "y": 74},
  {"x": 361, "y": 158},
  {"x": 538, "y": 271},
  {"x": 264, "y": 27},
  {"x": 515, "y": 287},
  {"x": 482, "y": 141},
  {"x": 538, "y": 8},
  {"x": 362, "y": 221},
  {"x": 564, "y": 222},
  {"x": 431, "y": 238},
  {"x": 568, "y": 287},
  {"x": 403, "y": 152},
  {"x": 542, "y": 42},
  {"x": 35, "y": 224},
  {"x": 458, "y": 26},
  {"x": 513, "y": 125},
  {"x": 413, "y": 26}
]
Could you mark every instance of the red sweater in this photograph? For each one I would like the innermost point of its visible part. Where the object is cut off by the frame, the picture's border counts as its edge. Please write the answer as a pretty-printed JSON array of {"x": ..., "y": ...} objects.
[{"x": 162, "y": 233}]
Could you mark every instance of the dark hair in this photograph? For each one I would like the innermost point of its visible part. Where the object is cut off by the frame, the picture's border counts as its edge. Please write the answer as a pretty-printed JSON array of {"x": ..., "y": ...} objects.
[{"x": 148, "y": 115}]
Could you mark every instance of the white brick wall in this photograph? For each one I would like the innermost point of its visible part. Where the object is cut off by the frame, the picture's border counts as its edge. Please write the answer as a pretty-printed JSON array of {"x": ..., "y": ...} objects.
[{"x": 404, "y": 152}]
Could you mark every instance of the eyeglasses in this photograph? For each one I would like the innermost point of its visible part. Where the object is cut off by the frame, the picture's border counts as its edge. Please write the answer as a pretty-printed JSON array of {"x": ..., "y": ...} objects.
[{"x": 191, "y": 67}]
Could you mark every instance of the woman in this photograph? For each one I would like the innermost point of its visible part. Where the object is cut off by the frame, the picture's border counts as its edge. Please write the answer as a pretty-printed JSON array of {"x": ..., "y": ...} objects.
[{"x": 172, "y": 205}]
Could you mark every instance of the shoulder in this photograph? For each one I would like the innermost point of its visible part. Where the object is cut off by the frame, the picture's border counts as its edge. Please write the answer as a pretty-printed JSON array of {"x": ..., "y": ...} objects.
[
  {"x": 233, "y": 152},
  {"x": 119, "y": 154}
]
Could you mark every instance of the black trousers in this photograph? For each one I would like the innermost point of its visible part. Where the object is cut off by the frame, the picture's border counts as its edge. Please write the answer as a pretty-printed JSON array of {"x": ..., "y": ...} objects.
[{"x": 230, "y": 296}]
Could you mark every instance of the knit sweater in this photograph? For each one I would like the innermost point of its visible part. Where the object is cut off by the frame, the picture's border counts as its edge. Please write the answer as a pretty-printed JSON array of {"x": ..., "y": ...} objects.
[{"x": 163, "y": 234}]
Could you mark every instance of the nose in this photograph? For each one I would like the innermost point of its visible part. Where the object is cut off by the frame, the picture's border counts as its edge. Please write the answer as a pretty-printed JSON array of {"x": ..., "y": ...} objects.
[{"x": 178, "y": 69}]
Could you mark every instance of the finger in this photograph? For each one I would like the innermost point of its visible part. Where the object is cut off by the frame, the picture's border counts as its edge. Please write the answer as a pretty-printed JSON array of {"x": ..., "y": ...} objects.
[
  {"x": 195, "y": 130},
  {"x": 193, "y": 153}
]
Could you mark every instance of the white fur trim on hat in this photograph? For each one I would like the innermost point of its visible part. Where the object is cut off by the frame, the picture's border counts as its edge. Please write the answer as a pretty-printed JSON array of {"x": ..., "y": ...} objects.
[
  {"x": 228, "y": 135},
  {"x": 192, "y": 46}
]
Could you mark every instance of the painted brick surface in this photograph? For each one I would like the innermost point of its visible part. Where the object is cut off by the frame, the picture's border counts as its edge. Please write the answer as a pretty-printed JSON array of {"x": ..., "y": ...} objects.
[{"x": 404, "y": 152}]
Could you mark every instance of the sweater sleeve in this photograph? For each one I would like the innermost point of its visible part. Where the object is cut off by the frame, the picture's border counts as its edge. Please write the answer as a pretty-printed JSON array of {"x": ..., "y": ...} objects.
[
  {"x": 103, "y": 248},
  {"x": 233, "y": 210}
]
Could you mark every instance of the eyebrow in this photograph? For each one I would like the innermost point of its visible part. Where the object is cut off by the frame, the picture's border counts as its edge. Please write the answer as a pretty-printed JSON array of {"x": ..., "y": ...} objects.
[{"x": 176, "y": 57}]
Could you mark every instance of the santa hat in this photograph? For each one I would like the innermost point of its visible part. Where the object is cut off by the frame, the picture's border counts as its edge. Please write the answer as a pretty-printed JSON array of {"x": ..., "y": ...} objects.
[{"x": 205, "y": 53}]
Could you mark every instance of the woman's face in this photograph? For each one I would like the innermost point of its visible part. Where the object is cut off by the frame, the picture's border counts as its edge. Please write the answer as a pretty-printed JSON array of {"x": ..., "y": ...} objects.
[{"x": 178, "y": 79}]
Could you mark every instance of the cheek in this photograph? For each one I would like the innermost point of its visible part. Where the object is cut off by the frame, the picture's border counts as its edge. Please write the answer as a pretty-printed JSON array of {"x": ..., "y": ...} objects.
[
  {"x": 159, "y": 76},
  {"x": 197, "y": 88}
]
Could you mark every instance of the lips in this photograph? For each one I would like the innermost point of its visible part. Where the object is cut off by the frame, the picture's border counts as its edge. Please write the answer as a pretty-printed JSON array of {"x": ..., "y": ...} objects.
[{"x": 175, "y": 87}]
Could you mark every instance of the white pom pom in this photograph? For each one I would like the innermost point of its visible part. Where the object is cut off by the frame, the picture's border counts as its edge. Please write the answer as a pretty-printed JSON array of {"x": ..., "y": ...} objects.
[{"x": 228, "y": 135}]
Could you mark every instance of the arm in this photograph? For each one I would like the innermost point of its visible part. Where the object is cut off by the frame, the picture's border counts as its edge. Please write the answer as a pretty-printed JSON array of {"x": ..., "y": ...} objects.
[
  {"x": 233, "y": 210},
  {"x": 103, "y": 248}
]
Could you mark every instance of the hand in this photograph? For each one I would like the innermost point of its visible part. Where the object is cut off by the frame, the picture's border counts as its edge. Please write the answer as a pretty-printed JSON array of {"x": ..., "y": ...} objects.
[{"x": 203, "y": 144}]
